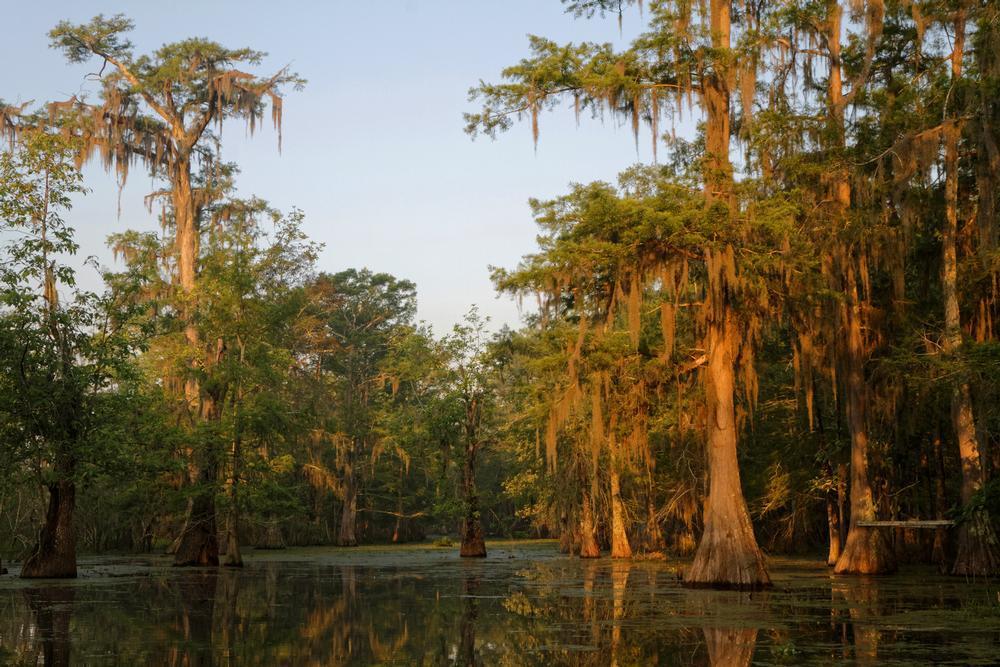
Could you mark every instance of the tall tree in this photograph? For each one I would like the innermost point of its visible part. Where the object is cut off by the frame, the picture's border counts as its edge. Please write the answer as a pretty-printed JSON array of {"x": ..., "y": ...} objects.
[
  {"x": 66, "y": 354},
  {"x": 978, "y": 549},
  {"x": 158, "y": 110},
  {"x": 689, "y": 50},
  {"x": 473, "y": 376},
  {"x": 361, "y": 314}
]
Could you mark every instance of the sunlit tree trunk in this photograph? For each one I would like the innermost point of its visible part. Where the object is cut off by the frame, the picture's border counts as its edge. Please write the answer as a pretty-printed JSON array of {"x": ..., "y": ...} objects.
[
  {"x": 867, "y": 550},
  {"x": 234, "y": 558},
  {"x": 349, "y": 514},
  {"x": 832, "y": 519},
  {"x": 588, "y": 530},
  {"x": 977, "y": 550},
  {"x": 620, "y": 547},
  {"x": 654, "y": 535},
  {"x": 727, "y": 555},
  {"x": 565, "y": 534},
  {"x": 199, "y": 542}
]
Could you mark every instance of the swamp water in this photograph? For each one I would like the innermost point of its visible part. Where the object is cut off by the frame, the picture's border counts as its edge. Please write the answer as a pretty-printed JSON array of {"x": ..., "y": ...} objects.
[{"x": 524, "y": 605}]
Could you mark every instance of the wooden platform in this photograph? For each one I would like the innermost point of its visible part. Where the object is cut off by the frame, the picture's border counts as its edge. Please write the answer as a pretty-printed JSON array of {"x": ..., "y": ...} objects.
[{"x": 909, "y": 523}]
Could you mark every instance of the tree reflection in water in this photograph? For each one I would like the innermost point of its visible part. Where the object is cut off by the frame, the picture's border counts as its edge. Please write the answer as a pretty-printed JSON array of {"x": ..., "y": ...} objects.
[
  {"x": 51, "y": 609},
  {"x": 424, "y": 607}
]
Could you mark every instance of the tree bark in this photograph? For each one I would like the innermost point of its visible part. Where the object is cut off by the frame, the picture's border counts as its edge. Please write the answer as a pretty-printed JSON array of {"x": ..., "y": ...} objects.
[
  {"x": 620, "y": 547},
  {"x": 347, "y": 536},
  {"x": 588, "y": 537},
  {"x": 54, "y": 555},
  {"x": 867, "y": 550},
  {"x": 832, "y": 520},
  {"x": 977, "y": 550},
  {"x": 199, "y": 545},
  {"x": 473, "y": 544},
  {"x": 273, "y": 539},
  {"x": 199, "y": 542},
  {"x": 565, "y": 534},
  {"x": 727, "y": 555},
  {"x": 939, "y": 550}
]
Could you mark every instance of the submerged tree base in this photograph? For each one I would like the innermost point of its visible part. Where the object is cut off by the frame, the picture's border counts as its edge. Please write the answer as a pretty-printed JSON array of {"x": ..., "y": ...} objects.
[
  {"x": 728, "y": 560},
  {"x": 725, "y": 564},
  {"x": 978, "y": 550},
  {"x": 199, "y": 543},
  {"x": 867, "y": 551},
  {"x": 54, "y": 556},
  {"x": 473, "y": 549}
]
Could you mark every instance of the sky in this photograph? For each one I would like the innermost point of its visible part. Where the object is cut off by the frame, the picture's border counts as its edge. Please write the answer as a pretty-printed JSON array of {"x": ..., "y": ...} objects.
[{"x": 374, "y": 150}]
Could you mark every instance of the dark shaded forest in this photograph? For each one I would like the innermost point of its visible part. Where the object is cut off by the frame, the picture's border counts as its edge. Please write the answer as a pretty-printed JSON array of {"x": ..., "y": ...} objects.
[{"x": 780, "y": 337}]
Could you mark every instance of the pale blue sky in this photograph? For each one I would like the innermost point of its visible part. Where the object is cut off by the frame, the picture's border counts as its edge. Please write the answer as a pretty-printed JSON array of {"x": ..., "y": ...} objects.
[{"x": 374, "y": 151}]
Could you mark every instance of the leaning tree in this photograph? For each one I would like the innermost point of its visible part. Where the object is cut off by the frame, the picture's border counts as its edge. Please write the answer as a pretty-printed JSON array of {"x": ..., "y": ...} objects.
[{"x": 165, "y": 111}]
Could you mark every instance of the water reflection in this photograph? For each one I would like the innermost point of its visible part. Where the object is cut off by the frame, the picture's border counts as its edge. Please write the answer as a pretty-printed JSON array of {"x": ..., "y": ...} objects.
[
  {"x": 425, "y": 607},
  {"x": 50, "y": 611}
]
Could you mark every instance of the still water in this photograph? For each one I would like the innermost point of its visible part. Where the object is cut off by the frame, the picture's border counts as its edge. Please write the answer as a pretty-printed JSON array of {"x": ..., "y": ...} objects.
[{"x": 524, "y": 605}]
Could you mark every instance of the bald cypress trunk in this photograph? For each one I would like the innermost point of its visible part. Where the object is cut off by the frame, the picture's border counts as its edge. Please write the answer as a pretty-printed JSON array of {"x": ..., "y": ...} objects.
[
  {"x": 978, "y": 552},
  {"x": 588, "y": 531},
  {"x": 473, "y": 543},
  {"x": 867, "y": 550},
  {"x": 54, "y": 555},
  {"x": 834, "y": 527},
  {"x": 199, "y": 541},
  {"x": 620, "y": 547},
  {"x": 347, "y": 536},
  {"x": 727, "y": 555}
]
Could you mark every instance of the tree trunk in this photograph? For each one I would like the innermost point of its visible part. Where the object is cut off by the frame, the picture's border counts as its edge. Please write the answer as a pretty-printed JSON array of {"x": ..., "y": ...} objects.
[
  {"x": 727, "y": 555},
  {"x": 347, "y": 531},
  {"x": 273, "y": 539},
  {"x": 349, "y": 516},
  {"x": 199, "y": 542},
  {"x": 234, "y": 558},
  {"x": 867, "y": 550},
  {"x": 565, "y": 534},
  {"x": 199, "y": 545},
  {"x": 833, "y": 520},
  {"x": 588, "y": 537},
  {"x": 977, "y": 550},
  {"x": 654, "y": 535},
  {"x": 939, "y": 550},
  {"x": 397, "y": 531},
  {"x": 620, "y": 547},
  {"x": 54, "y": 556},
  {"x": 718, "y": 177},
  {"x": 473, "y": 544}
]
